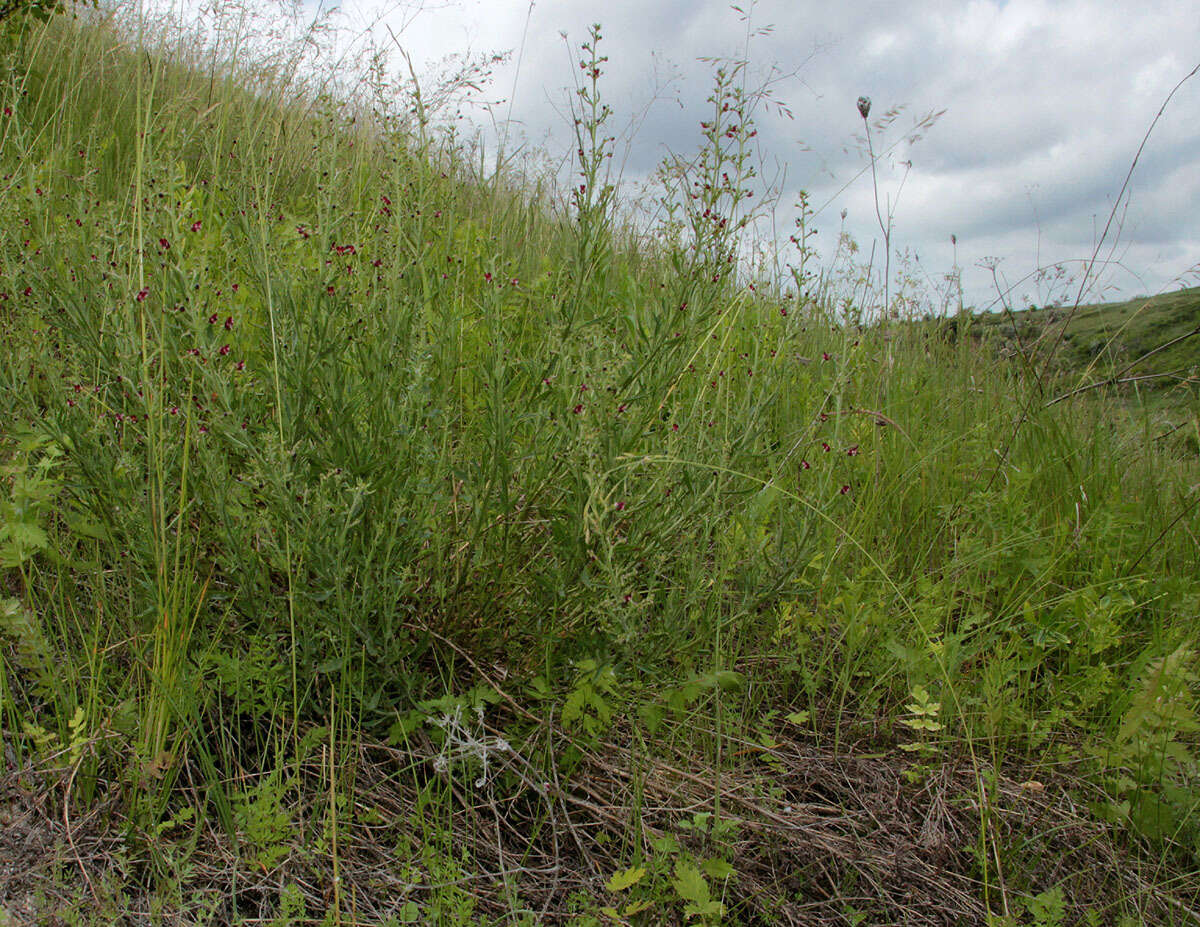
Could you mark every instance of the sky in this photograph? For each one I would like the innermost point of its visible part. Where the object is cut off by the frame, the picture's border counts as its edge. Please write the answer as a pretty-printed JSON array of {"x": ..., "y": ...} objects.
[{"x": 1040, "y": 110}]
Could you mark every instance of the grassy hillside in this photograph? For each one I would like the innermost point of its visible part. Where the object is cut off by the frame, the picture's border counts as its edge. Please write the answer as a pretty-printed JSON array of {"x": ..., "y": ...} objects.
[
  {"x": 386, "y": 540},
  {"x": 1148, "y": 343}
]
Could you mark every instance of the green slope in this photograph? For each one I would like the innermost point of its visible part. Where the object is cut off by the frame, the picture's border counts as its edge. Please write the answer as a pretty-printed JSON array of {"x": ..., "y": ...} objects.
[{"x": 1155, "y": 338}]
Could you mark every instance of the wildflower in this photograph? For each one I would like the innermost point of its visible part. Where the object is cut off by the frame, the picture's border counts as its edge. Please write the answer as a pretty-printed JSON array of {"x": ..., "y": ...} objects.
[
  {"x": 621, "y": 506},
  {"x": 578, "y": 408},
  {"x": 805, "y": 465},
  {"x": 164, "y": 244},
  {"x": 142, "y": 294},
  {"x": 825, "y": 447},
  {"x": 852, "y": 451},
  {"x": 229, "y": 323},
  {"x": 825, "y": 355},
  {"x": 864, "y": 106},
  {"x": 196, "y": 226},
  {"x": 224, "y": 350},
  {"x": 845, "y": 489}
]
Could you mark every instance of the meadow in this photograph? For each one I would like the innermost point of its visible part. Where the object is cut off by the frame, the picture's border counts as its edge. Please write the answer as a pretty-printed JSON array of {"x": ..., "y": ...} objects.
[{"x": 389, "y": 538}]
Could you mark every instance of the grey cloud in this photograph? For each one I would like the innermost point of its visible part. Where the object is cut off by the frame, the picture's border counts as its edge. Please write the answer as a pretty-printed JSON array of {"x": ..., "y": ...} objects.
[{"x": 1045, "y": 104}]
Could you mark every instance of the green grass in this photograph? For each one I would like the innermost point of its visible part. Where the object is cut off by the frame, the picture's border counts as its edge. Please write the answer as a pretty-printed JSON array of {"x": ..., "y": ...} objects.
[
  {"x": 1153, "y": 339},
  {"x": 389, "y": 540}
]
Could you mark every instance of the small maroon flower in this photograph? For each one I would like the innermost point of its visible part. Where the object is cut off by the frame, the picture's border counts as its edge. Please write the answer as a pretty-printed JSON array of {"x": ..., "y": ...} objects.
[
  {"x": 164, "y": 244},
  {"x": 845, "y": 490},
  {"x": 229, "y": 323},
  {"x": 621, "y": 506},
  {"x": 142, "y": 294},
  {"x": 212, "y": 319},
  {"x": 224, "y": 350},
  {"x": 825, "y": 447},
  {"x": 487, "y": 277},
  {"x": 578, "y": 408},
  {"x": 240, "y": 365},
  {"x": 852, "y": 451},
  {"x": 514, "y": 282},
  {"x": 805, "y": 465},
  {"x": 329, "y": 289},
  {"x": 174, "y": 410},
  {"x": 196, "y": 226},
  {"x": 825, "y": 355}
]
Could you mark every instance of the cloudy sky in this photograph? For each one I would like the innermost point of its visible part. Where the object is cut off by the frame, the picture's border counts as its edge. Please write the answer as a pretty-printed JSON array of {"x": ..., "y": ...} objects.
[{"x": 1045, "y": 104}]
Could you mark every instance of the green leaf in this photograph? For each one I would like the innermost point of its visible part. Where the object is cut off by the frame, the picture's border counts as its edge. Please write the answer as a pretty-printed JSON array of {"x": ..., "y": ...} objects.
[
  {"x": 689, "y": 883},
  {"x": 626, "y": 879},
  {"x": 708, "y": 908},
  {"x": 730, "y": 681},
  {"x": 717, "y": 868}
]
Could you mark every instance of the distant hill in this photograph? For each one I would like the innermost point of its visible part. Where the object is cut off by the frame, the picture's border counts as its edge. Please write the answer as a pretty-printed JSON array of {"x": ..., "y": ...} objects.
[{"x": 1157, "y": 336}]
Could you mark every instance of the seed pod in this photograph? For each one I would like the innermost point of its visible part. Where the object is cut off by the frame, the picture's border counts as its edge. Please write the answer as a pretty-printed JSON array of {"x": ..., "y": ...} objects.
[{"x": 864, "y": 106}]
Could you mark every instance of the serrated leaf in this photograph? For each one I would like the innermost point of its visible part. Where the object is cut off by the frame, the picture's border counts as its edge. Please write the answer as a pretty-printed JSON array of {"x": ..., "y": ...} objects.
[
  {"x": 626, "y": 879},
  {"x": 798, "y": 717},
  {"x": 689, "y": 883},
  {"x": 730, "y": 681},
  {"x": 717, "y": 868},
  {"x": 707, "y": 909}
]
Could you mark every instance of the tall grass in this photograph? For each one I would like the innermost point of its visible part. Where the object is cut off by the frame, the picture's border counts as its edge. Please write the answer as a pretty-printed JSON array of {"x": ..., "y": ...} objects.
[{"x": 318, "y": 439}]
